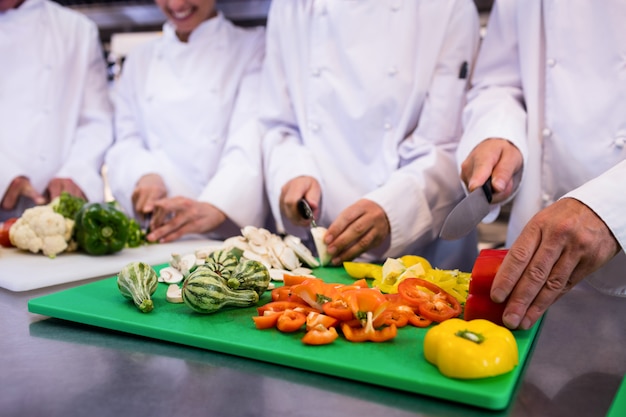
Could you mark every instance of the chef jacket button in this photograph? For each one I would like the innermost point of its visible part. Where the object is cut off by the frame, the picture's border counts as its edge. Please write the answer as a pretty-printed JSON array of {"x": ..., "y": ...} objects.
[
  {"x": 620, "y": 141},
  {"x": 551, "y": 62},
  {"x": 546, "y": 133},
  {"x": 314, "y": 127},
  {"x": 316, "y": 72},
  {"x": 387, "y": 126},
  {"x": 392, "y": 71},
  {"x": 395, "y": 7},
  {"x": 545, "y": 197}
]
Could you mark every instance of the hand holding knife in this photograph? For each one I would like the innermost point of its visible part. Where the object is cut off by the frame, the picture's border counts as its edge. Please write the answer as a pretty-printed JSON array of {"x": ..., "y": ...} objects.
[
  {"x": 306, "y": 212},
  {"x": 468, "y": 213}
]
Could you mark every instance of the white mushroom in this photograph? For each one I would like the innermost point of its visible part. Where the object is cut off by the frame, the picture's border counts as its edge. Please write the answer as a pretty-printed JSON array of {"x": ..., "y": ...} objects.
[
  {"x": 183, "y": 263},
  {"x": 174, "y": 294},
  {"x": 170, "y": 275},
  {"x": 248, "y": 254},
  {"x": 322, "y": 251},
  {"x": 301, "y": 251}
]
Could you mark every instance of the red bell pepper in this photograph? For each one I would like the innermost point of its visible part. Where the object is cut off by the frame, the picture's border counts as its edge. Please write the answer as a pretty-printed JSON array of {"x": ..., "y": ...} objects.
[
  {"x": 479, "y": 304},
  {"x": 4, "y": 232}
]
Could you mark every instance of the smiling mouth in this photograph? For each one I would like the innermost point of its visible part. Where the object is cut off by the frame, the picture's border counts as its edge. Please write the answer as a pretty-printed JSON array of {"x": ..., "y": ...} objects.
[{"x": 183, "y": 14}]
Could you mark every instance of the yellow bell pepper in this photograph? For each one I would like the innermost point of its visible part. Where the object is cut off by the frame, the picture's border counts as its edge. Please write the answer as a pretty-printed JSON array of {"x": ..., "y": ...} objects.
[
  {"x": 360, "y": 270},
  {"x": 471, "y": 349}
]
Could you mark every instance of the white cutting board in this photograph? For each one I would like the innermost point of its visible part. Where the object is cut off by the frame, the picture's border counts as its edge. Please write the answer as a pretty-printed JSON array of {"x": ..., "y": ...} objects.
[{"x": 24, "y": 271}]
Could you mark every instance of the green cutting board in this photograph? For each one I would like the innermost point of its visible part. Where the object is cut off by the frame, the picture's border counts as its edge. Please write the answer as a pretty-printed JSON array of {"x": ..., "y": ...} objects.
[
  {"x": 618, "y": 406},
  {"x": 397, "y": 364}
]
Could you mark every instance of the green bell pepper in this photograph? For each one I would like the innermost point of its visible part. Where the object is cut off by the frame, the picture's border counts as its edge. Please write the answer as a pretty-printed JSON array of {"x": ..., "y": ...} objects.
[{"x": 101, "y": 228}]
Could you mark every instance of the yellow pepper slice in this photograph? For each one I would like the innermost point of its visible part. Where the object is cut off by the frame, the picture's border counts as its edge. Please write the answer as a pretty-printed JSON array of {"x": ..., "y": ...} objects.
[
  {"x": 410, "y": 260},
  {"x": 360, "y": 270},
  {"x": 471, "y": 349}
]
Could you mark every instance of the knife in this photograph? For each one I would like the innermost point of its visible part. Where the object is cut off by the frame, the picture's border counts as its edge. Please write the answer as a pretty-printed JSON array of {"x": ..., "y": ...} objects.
[
  {"x": 305, "y": 211},
  {"x": 468, "y": 213}
]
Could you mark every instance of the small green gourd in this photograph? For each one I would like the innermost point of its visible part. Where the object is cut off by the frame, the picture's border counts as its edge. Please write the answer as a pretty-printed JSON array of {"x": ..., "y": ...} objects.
[
  {"x": 204, "y": 291},
  {"x": 250, "y": 275},
  {"x": 223, "y": 262},
  {"x": 137, "y": 281}
]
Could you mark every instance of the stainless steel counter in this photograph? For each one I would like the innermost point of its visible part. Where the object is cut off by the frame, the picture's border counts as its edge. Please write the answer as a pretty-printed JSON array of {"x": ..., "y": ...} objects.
[{"x": 51, "y": 367}]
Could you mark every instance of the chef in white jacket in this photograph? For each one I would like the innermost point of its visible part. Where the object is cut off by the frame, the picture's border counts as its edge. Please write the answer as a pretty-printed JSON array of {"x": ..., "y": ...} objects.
[
  {"x": 361, "y": 115},
  {"x": 187, "y": 140},
  {"x": 55, "y": 114},
  {"x": 548, "y": 104}
]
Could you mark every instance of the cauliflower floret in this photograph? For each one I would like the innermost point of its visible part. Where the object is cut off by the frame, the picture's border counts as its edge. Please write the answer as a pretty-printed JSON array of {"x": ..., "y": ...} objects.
[{"x": 41, "y": 229}]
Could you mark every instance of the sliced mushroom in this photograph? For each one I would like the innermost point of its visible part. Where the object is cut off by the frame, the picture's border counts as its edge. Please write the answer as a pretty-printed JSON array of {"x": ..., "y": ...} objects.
[
  {"x": 303, "y": 253},
  {"x": 322, "y": 251},
  {"x": 174, "y": 294},
  {"x": 170, "y": 275}
]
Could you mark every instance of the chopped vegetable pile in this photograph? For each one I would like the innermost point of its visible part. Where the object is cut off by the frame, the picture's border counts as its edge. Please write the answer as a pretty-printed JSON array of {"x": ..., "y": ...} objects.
[{"x": 361, "y": 313}]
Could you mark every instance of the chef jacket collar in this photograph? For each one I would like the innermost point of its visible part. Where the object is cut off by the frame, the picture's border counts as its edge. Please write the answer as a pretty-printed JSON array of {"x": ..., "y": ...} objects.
[{"x": 206, "y": 31}]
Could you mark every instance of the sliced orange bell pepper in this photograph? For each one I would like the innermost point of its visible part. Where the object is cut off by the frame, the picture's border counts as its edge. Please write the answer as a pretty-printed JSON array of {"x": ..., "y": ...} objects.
[
  {"x": 434, "y": 304},
  {"x": 284, "y": 294},
  {"x": 368, "y": 333},
  {"x": 315, "y": 292},
  {"x": 266, "y": 321},
  {"x": 290, "y": 321},
  {"x": 284, "y": 305},
  {"x": 338, "y": 309},
  {"x": 315, "y": 319},
  {"x": 320, "y": 335}
]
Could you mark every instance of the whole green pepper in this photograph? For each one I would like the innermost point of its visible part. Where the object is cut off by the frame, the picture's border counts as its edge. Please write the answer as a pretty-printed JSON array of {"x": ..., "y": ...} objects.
[{"x": 101, "y": 228}]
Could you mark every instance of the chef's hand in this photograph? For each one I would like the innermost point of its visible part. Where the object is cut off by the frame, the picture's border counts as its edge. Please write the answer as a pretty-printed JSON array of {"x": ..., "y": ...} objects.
[
  {"x": 148, "y": 190},
  {"x": 360, "y": 227},
  {"x": 498, "y": 158},
  {"x": 175, "y": 217},
  {"x": 557, "y": 248},
  {"x": 293, "y": 191},
  {"x": 20, "y": 186},
  {"x": 57, "y": 185}
]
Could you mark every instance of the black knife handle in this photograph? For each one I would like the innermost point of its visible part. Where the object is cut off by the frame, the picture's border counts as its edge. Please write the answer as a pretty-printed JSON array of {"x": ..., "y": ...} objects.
[
  {"x": 305, "y": 209},
  {"x": 488, "y": 189}
]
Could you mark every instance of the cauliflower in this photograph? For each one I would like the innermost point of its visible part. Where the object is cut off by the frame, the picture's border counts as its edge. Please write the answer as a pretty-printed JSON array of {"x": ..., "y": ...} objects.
[{"x": 42, "y": 229}]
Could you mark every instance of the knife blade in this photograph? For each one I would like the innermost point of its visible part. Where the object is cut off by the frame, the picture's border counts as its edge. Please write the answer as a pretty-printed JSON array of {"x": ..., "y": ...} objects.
[
  {"x": 305, "y": 211},
  {"x": 468, "y": 213}
]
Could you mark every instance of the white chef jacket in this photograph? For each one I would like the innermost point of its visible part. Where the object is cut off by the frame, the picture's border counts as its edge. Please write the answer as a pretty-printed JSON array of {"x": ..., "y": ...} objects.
[
  {"x": 365, "y": 96},
  {"x": 563, "y": 104},
  {"x": 55, "y": 114},
  {"x": 188, "y": 112}
]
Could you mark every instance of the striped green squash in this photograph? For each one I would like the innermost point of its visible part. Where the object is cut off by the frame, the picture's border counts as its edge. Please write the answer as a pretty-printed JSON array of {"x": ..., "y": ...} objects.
[
  {"x": 204, "y": 291},
  {"x": 223, "y": 262},
  {"x": 137, "y": 281},
  {"x": 250, "y": 275}
]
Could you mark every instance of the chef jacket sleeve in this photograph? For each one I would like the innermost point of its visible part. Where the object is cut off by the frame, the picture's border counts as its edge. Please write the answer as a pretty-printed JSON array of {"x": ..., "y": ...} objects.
[
  {"x": 421, "y": 192},
  {"x": 129, "y": 158},
  {"x": 237, "y": 187},
  {"x": 94, "y": 130},
  {"x": 606, "y": 197},
  {"x": 284, "y": 154},
  {"x": 495, "y": 103}
]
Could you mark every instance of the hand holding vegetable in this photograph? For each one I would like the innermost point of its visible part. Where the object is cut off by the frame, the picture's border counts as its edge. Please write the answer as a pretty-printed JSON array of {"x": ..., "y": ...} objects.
[
  {"x": 58, "y": 186},
  {"x": 359, "y": 228},
  {"x": 293, "y": 191},
  {"x": 148, "y": 190},
  {"x": 557, "y": 248},
  {"x": 20, "y": 187},
  {"x": 175, "y": 217}
]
